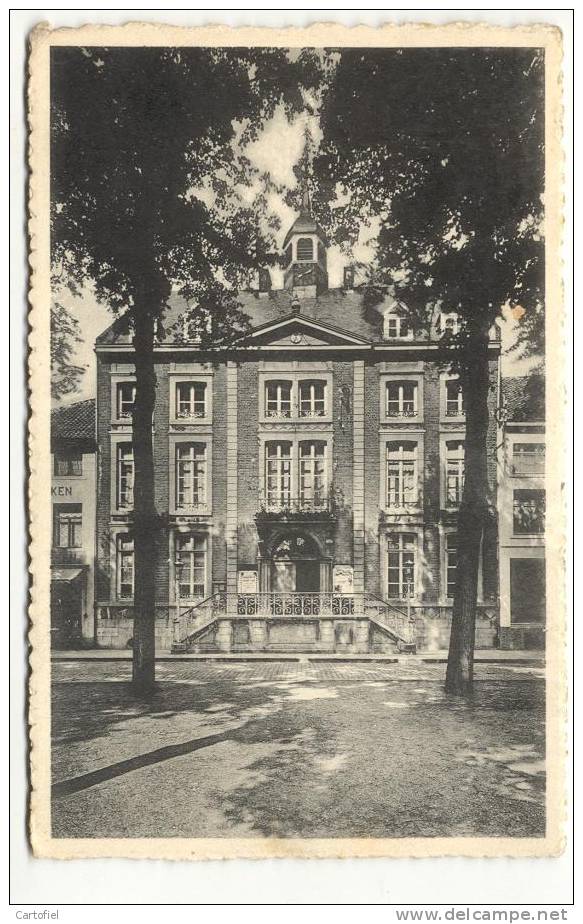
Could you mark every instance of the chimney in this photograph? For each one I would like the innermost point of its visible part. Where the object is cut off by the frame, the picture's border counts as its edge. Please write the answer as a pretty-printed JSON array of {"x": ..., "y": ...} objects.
[
  {"x": 349, "y": 277},
  {"x": 264, "y": 281}
]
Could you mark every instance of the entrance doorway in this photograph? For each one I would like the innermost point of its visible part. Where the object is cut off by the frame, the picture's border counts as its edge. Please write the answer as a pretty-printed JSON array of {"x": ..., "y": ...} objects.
[
  {"x": 66, "y": 609},
  {"x": 297, "y": 566}
]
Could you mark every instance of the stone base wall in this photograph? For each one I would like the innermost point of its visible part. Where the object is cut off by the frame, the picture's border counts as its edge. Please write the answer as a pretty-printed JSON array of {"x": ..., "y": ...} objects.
[
  {"x": 434, "y": 628},
  {"x": 118, "y": 633},
  {"x": 526, "y": 638},
  {"x": 330, "y": 636}
]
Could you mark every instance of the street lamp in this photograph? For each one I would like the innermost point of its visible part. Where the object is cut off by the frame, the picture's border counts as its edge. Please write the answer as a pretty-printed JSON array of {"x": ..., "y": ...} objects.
[{"x": 177, "y": 598}]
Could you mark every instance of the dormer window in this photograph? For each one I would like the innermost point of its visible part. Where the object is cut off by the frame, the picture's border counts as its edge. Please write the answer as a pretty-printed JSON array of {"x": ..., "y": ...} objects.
[
  {"x": 397, "y": 328},
  {"x": 449, "y": 323},
  {"x": 305, "y": 249}
]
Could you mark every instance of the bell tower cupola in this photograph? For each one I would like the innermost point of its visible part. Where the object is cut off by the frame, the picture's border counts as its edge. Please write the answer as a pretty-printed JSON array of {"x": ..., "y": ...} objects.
[{"x": 305, "y": 270}]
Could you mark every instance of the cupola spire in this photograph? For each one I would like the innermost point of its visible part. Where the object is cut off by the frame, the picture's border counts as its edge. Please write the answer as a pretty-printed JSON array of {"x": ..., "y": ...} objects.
[{"x": 304, "y": 248}]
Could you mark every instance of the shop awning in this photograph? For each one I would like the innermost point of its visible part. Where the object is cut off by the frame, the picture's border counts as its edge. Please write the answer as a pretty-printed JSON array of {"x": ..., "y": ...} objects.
[{"x": 65, "y": 574}]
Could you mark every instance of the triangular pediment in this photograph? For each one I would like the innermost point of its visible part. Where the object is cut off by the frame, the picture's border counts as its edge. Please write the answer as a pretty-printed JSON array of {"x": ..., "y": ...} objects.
[{"x": 300, "y": 331}]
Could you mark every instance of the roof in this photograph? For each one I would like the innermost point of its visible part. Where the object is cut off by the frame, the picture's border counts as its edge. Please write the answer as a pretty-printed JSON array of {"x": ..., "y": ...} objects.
[
  {"x": 524, "y": 398},
  {"x": 346, "y": 309},
  {"x": 304, "y": 224},
  {"x": 74, "y": 422}
]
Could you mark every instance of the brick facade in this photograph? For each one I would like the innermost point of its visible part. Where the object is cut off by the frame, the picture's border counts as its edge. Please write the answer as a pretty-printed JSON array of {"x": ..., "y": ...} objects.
[{"x": 240, "y": 544}]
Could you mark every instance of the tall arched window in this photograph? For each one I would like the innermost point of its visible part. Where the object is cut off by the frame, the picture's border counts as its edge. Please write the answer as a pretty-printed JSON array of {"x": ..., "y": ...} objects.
[{"x": 305, "y": 249}]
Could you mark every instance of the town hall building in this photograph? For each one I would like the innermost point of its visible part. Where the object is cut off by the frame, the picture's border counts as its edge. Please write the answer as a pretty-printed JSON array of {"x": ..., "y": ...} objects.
[{"x": 309, "y": 475}]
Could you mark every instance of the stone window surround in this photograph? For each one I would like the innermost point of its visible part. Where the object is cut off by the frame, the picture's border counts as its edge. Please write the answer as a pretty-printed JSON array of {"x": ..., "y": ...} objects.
[
  {"x": 447, "y": 436},
  {"x": 443, "y": 416},
  {"x": 116, "y": 439},
  {"x": 444, "y": 531},
  {"x": 394, "y": 376},
  {"x": 118, "y": 378},
  {"x": 117, "y": 530},
  {"x": 407, "y": 435},
  {"x": 295, "y": 438},
  {"x": 173, "y": 440},
  {"x": 507, "y": 554},
  {"x": 534, "y": 479},
  {"x": 295, "y": 376},
  {"x": 410, "y": 529},
  {"x": 197, "y": 529},
  {"x": 178, "y": 377}
]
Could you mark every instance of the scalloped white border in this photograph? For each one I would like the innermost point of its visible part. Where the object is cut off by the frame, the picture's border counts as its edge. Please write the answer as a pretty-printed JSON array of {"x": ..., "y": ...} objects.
[{"x": 319, "y": 35}]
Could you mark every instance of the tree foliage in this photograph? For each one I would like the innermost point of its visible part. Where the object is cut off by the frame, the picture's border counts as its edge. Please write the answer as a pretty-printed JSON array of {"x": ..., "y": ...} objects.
[
  {"x": 443, "y": 150},
  {"x": 148, "y": 150},
  {"x": 137, "y": 134},
  {"x": 65, "y": 335}
]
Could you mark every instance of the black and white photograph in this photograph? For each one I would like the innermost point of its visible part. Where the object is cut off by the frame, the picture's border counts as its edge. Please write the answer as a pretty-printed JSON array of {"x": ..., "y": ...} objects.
[{"x": 303, "y": 548}]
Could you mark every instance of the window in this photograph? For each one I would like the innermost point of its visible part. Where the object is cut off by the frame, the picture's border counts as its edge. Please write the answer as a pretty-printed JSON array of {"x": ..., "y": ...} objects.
[
  {"x": 313, "y": 480},
  {"x": 528, "y": 458},
  {"x": 454, "y": 472},
  {"x": 287, "y": 255},
  {"x": 449, "y": 323},
  {"x": 68, "y": 462},
  {"x": 401, "y": 474},
  {"x": 401, "y": 399},
  {"x": 190, "y": 475},
  {"x": 527, "y": 590},
  {"x": 305, "y": 249},
  {"x": 312, "y": 399},
  {"x": 67, "y": 526},
  {"x": 190, "y": 400},
  {"x": 125, "y": 567},
  {"x": 125, "y": 399},
  {"x": 295, "y": 398},
  {"x": 528, "y": 511},
  {"x": 191, "y": 566},
  {"x": 401, "y": 559},
  {"x": 296, "y": 475},
  {"x": 278, "y": 399},
  {"x": 125, "y": 476},
  {"x": 278, "y": 481},
  {"x": 397, "y": 328},
  {"x": 450, "y": 563},
  {"x": 454, "y": 399}
]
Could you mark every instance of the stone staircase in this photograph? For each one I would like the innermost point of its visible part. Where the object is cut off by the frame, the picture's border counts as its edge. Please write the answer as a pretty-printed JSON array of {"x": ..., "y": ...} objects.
[{"x": 331, "y": 616}]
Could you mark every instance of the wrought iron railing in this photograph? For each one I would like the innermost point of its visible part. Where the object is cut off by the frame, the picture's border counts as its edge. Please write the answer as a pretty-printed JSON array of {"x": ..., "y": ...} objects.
[
  {"x": 402, "y": 624},
  {"x": 282, "y": 505},
  {"x": 192, "y": 621},
  {"x": 294, "y": 604}
]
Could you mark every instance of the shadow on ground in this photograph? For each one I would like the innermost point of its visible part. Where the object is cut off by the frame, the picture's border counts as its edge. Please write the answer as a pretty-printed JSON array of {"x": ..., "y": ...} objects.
[{"x": 238, "y": 755}]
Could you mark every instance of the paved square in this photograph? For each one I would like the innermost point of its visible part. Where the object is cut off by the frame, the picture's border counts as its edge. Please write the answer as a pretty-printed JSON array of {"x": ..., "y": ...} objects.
[{"x": 302, "y": 749}]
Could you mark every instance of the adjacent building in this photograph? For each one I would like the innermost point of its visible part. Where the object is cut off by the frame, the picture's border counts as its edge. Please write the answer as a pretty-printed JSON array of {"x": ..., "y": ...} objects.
[
  {"x": 521, "y": 497},
  {"x": 73, "y": 493},
  {"x": 308, "y": 477}
]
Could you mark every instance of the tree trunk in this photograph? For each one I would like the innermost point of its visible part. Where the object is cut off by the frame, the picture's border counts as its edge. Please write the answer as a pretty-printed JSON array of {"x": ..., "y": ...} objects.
[
  {"x": 471, "y": 521},
  {"x": 145, "y": 518}
]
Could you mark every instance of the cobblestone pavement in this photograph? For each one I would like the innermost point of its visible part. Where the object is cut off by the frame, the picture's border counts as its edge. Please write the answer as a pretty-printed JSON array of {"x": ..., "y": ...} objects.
[
  {"x": 303, "y": 748},
  {"x": 314, "y": 671}
]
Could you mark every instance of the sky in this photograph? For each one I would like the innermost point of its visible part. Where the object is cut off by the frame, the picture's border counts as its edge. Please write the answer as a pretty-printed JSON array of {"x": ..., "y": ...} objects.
[{"x": 276, "y": 151}]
